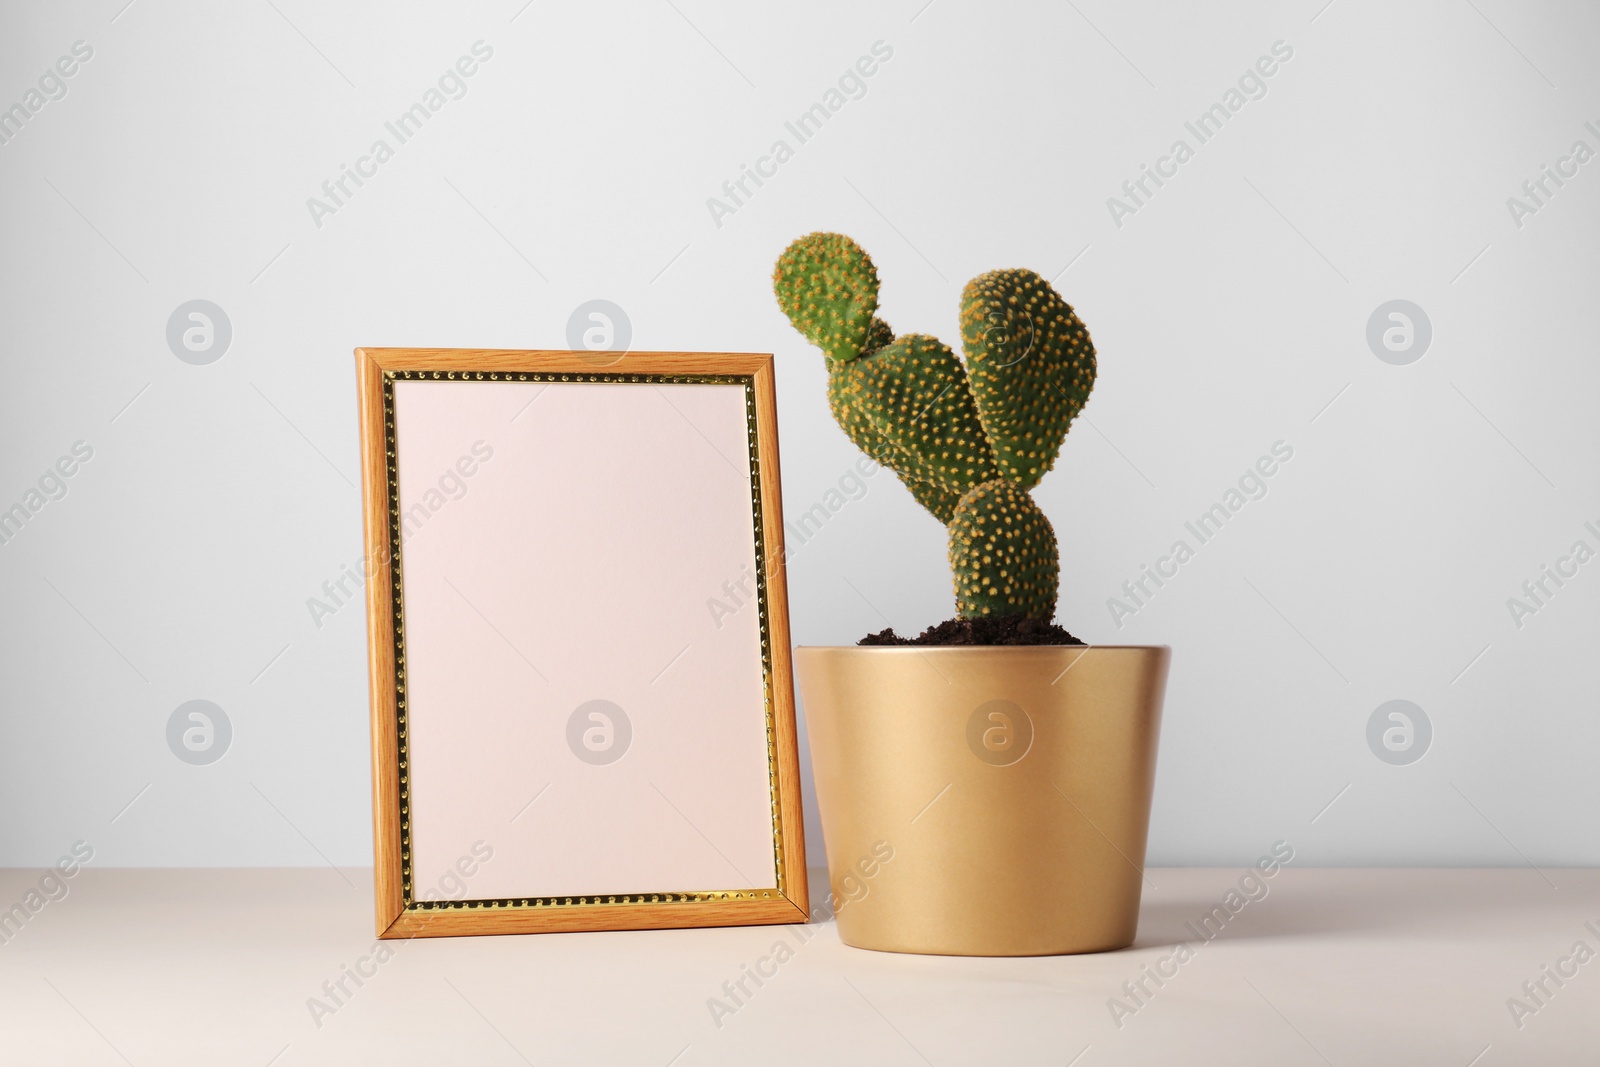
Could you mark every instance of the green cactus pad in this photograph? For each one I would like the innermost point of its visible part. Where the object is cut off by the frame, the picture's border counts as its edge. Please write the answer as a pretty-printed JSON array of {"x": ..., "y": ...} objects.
[
  {"x": 936, "y": 498},
  {"x": 878, "y": 335},
  {"x": 1003, "y": 554},
  {"x": 1031, "y": 364},
  {"x": 914, "y": 390},
  {"x": 857, "y": 425},
  {"x": 828, "y": 287}
]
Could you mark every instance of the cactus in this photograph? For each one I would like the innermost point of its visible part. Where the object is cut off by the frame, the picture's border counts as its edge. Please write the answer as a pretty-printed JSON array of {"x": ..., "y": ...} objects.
[{"x": 968, "y": 438}]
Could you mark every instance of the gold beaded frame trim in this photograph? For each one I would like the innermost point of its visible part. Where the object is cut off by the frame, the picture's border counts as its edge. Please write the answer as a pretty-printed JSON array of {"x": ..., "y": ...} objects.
[{"x": 379, "y": 370}]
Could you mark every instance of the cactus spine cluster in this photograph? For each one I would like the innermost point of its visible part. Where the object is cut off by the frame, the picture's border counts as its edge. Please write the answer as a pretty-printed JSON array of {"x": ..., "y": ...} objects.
[{"x": 969, "y": 439}]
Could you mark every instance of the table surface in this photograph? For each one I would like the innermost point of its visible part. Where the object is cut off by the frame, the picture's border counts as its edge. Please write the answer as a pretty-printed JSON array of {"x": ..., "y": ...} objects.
[{"x": 1412, "y": 967}]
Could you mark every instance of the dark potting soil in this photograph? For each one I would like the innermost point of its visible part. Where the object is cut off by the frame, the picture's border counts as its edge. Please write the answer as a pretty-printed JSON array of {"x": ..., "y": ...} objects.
[{"x": 987, "y": 630}]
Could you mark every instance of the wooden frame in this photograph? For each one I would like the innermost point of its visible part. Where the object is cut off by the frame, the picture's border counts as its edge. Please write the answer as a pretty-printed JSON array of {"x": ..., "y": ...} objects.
[{"x": 400, "y": 911}]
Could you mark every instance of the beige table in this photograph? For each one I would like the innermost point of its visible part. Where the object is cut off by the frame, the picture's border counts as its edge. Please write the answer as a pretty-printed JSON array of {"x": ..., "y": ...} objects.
[{"x": 213, "y": 967}]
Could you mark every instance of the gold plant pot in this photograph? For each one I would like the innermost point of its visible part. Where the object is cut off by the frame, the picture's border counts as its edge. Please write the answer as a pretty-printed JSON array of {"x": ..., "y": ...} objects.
[{"x": 984, "y": 801}]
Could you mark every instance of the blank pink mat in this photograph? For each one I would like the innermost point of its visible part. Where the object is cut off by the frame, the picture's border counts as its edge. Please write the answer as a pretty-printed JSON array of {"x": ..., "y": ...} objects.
[{"x": 576, "y": 563}]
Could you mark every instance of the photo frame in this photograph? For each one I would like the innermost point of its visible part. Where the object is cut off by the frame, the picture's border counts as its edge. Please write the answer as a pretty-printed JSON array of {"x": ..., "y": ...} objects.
[{"x": 581, "y": 692}]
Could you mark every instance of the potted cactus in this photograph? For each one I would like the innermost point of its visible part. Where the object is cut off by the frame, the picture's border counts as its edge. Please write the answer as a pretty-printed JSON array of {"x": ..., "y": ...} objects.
[{"x": 1006, "y": 767}]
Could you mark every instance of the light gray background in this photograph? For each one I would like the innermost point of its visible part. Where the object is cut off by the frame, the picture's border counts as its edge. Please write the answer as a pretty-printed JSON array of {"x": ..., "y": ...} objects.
[{"x": 1229, "y": 313}]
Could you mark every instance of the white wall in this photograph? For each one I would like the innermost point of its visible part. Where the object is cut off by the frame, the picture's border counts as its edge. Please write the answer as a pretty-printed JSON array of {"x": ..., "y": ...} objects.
[{"x": 1230, "y": 312}]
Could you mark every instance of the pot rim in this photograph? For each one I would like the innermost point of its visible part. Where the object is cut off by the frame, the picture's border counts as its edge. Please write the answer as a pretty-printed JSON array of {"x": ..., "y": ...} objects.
[{"x": 975, "y": 648}]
